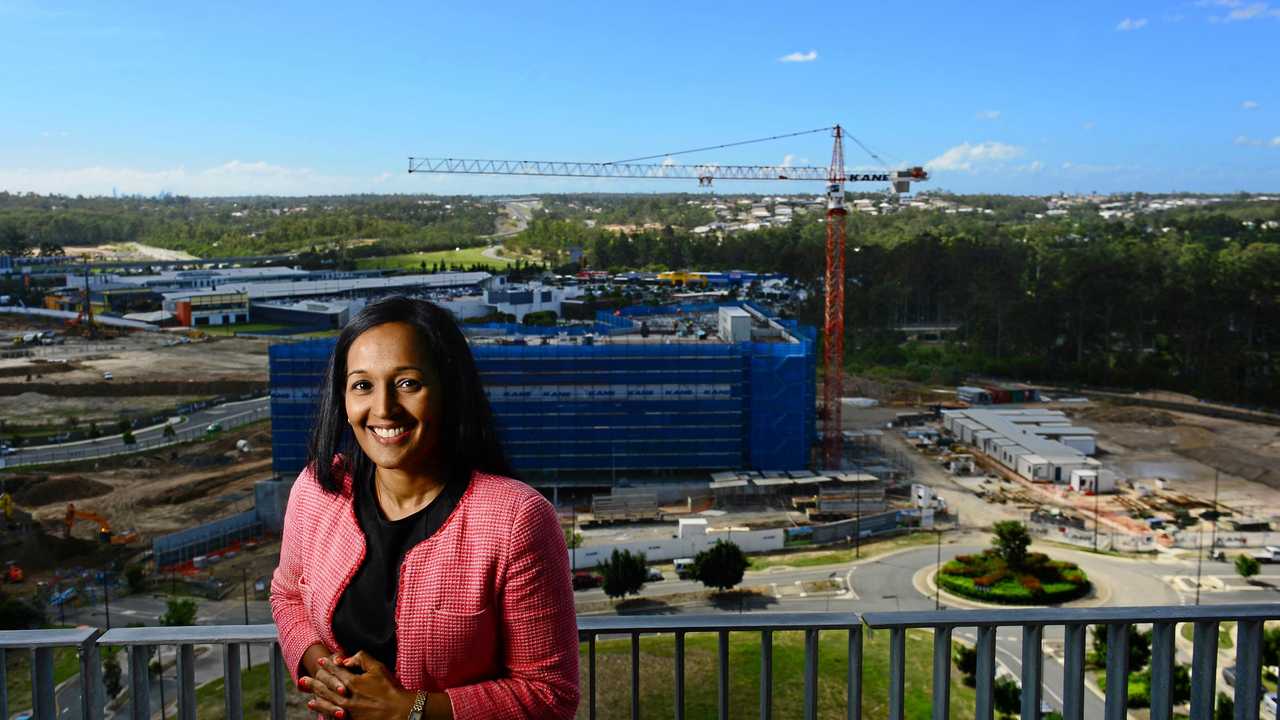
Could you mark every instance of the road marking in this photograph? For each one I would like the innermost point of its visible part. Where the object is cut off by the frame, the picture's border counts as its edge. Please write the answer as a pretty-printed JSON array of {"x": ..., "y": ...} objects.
[{"x": 848, "y": 583}]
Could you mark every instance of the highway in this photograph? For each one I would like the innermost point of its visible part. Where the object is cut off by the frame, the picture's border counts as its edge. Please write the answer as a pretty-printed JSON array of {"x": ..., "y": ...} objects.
[{"x": 227, "y": 414}]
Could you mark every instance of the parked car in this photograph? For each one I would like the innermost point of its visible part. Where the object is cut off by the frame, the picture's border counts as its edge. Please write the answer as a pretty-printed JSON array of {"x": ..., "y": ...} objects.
[
  {"x": 213, "y": 428},
  {"x": 655, "y": 575},
  {"x": 1269, "y": 704},
  {"x": 1229, "y": 675},
  {"x": 107, "y": 375},
  {"x": 683, "y": 567},
  {"x": 7, "y": 450},
  {"x": 585, "y": 580}
]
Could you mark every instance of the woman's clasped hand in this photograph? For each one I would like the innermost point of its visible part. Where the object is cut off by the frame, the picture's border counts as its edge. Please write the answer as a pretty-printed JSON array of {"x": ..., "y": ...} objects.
[{"x": 357, "y": 687}]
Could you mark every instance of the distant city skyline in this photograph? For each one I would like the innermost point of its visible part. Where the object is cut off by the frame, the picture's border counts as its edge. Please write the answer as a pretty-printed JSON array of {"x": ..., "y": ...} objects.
[{"x": 327, "y": 98}]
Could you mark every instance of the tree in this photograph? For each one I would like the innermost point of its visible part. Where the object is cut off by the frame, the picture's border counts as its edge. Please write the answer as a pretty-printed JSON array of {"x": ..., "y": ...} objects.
[
  {"x": 111, "y": 672},
  {"x": 1011, "y": 542},
  {"x": 1006, "y": 696},
  {"x": 1247, "y": 566},
  {"x": 181, "y": 612},
  {"x": 1139, "y": 647},
  {"x": 127, "y": 437},
  {"x": 135, "y": 576},
  {"x": 572, "y": 538},
  {"x": 966, "y": 659},
  {"x": 720, "y": 566},
  {"x": 624, "y": 573},
  {"x": 94, "y": 431},
  {"x": 17, "y": 614},
  {"x": 1225, "y": 708},
  {"x": 169, "y": 431}
]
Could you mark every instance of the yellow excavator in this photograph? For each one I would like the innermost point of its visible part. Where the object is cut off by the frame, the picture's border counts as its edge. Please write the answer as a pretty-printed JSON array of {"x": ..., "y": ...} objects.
[{"x": 104, "y": 526}]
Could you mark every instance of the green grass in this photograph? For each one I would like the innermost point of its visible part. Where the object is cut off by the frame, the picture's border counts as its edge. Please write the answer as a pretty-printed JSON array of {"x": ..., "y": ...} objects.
[
  {"x": 1224, "y": 634},
  {"x": 841, "y": 556},
  {"x": 413, "y": 261},
  {"x": 229, "y": 330},
  {"x": 657, "y": 654},
  {"x": 66, "y": 662},
  {"x": 255, "y": 693}
]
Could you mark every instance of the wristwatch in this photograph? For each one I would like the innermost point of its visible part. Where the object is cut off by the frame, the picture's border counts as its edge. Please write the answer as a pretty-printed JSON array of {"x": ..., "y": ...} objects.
[{"x": 415, "y": 712}]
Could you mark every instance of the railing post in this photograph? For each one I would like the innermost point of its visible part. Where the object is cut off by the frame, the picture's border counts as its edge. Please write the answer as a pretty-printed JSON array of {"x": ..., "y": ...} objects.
[
  {"x": 679, "y": 676},
  {"x": 766, "y": 674},
  {"x": 186, "y": 682},
  {"x": 1032, "y": 671},
  {"x": 1204, "y": 669},
  {"x": 4, "y": 683},
  {"x": 139, "y": 682},
  {"x": 231, "y": 681},
  {"x": 855, "y": 673},
  {"x": 1248, "y": 668},
  {"x": 986, "y": 673},
  {"x": 941, "y": 673},
  {"x": 591, "y": 677},
  {"x": 91, "y": 694},
  {"x": 723, "y": 677},
  {"x": 1162, "y": 660},
  {"x": 635, "y": 676},
  {"x": 1073, "y": 672},
  {"x": 1117, "y": 671},
  {"x": 897, "y": 667},
  {"x": 811, "y": 674},
  {"x": 42, "y": 683},
  {"x": 278, "y": 675}
]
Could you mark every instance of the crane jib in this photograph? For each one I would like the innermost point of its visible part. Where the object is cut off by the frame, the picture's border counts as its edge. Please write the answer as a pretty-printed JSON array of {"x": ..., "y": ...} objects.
[{"x": 863, "y": 177}]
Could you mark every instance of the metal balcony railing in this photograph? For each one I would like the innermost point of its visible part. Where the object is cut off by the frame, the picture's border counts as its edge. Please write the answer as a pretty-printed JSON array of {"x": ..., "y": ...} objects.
[{"x": 1073, "y": 623}]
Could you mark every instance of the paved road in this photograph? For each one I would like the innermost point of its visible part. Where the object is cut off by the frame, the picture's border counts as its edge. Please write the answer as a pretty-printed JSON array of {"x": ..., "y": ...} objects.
[{"x": 112, "y": 444}]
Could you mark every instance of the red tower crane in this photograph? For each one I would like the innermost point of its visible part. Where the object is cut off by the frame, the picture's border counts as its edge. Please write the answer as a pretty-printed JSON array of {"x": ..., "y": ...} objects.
[{"x": 835, "y": 176}]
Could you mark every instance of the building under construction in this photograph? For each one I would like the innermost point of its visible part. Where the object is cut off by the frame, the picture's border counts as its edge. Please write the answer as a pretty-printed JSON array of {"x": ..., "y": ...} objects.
[{"x": 648, "y": 389}]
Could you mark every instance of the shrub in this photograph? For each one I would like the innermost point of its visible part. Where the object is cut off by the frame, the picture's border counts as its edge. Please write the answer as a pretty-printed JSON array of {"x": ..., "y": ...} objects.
[
  {"x": 1032, "y": 584},
  {"x": 720, "y": 566}
]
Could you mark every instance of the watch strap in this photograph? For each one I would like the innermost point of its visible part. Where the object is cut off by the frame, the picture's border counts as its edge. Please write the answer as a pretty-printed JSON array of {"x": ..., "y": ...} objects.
[{"x": 415, "y": 712}]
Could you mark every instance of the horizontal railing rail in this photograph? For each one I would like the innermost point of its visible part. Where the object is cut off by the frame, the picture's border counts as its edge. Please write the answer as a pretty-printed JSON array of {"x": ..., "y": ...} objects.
[{"x": 1205, "y": 620}]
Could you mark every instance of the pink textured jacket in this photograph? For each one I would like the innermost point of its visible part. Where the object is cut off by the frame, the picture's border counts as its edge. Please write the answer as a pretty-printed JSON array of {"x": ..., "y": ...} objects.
[{"x": 485, "y": 608}]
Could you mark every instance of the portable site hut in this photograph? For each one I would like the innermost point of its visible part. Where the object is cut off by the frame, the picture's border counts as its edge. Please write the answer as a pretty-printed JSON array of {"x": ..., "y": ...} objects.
[{"x": 1093, "y": 482}]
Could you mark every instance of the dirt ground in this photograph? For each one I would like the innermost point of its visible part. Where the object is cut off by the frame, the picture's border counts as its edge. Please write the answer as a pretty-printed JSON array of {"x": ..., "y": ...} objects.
[
  {"x": 36, "y": 408},
  {"x": 1143, "y": 444},
  {"x": 152, "y": 493}
]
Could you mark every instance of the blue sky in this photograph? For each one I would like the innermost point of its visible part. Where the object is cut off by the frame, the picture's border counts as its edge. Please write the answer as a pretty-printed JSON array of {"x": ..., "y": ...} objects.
[{"x": 316, "y": 97}]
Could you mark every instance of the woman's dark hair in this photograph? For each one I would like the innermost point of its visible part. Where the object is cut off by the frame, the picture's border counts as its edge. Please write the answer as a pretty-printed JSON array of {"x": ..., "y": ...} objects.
[{"x": 468, "y": 440}]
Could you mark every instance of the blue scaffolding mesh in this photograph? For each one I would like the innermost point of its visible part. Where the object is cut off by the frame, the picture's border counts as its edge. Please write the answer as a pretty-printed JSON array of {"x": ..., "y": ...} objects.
[{"x": 625, "y": 406}]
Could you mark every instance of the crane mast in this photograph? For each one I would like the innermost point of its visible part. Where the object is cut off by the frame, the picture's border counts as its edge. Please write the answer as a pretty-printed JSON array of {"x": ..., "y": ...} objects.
[
  {"x": 835, "y": 176},
  {"x": 833, "y": 310}
]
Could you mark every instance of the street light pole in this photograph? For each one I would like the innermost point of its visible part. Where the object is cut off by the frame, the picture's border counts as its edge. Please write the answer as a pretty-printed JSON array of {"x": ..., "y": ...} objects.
[
  {"x": 937, "y": 575},
  {"x": 244, "y": 587},
  {"x": 1096, "y": 517},
  {"x": 106, "y": 600},
  {"x": 1213, "y": 537},
  {"x": 1199, "y": 557}
]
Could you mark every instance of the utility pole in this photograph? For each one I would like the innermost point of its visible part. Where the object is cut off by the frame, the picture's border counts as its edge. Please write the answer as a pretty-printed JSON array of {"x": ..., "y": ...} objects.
[
  {"x": 106, "y": 601},
  {"x": 1096, "y": 517},
  {"x": 937, "y": 575},
  {"x": 573, "y": 534},
  {"x": 1213, "y": 537},
  {"x": 1199, "y": 558}
]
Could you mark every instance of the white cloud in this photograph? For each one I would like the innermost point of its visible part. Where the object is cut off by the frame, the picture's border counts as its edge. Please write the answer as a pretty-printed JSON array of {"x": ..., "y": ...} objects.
[
  {"x": 1090, "y": 168},
  {"x": 799, "y": 57},
  {"x": 1128, "y": 24},
  {"x": 788, "y": 160},
  {"x": 1275, "y": 141},
  {"x": 968, "y": 158},
  {"x": 1239, "y": 11},
  {"x": 1249, "y": 105},
  {"x": 235, "y": 177},
  {"x": 1089, "y": 125},
  {"x": 1248, "y": 141},
  {"x": 988, "y": 115}
]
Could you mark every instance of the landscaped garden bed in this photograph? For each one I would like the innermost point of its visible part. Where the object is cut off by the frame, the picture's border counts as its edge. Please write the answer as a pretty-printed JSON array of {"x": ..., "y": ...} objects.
[{"x": 1009, "y": 575}]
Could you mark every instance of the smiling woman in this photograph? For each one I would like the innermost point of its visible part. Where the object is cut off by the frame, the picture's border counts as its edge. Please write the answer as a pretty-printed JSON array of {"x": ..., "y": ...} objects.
[{"x": 417, "y": 579}]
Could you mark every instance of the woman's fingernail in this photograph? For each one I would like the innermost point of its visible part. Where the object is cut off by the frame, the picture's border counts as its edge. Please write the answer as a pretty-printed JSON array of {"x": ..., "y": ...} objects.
[
  {"x": 321, "y": 662},
  {"x": 311, "y": 704},
  {"x": 342, "y": 690},
  {"x": 302, "y": 683},
  {"x": 340, "y": 713}
]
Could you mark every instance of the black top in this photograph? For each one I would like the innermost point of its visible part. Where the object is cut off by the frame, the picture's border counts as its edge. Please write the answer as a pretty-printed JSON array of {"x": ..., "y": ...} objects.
[{"x": 365, "y": 618}]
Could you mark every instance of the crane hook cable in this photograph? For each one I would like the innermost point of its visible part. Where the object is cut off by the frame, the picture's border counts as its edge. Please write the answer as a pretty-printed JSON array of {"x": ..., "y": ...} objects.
[{"x": 726, "y": 145}]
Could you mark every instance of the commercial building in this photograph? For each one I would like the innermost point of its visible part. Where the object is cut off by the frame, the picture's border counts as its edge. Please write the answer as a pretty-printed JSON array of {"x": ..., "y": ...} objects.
[
  {"x": 1040, "y": 445},
  {"x": 612, "y": 401},
  {"x": 194, "y": 308}
]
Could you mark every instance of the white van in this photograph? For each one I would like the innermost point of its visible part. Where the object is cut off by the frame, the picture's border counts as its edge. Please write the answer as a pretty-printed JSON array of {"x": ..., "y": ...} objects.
[{"x": 683, "y": 567}]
